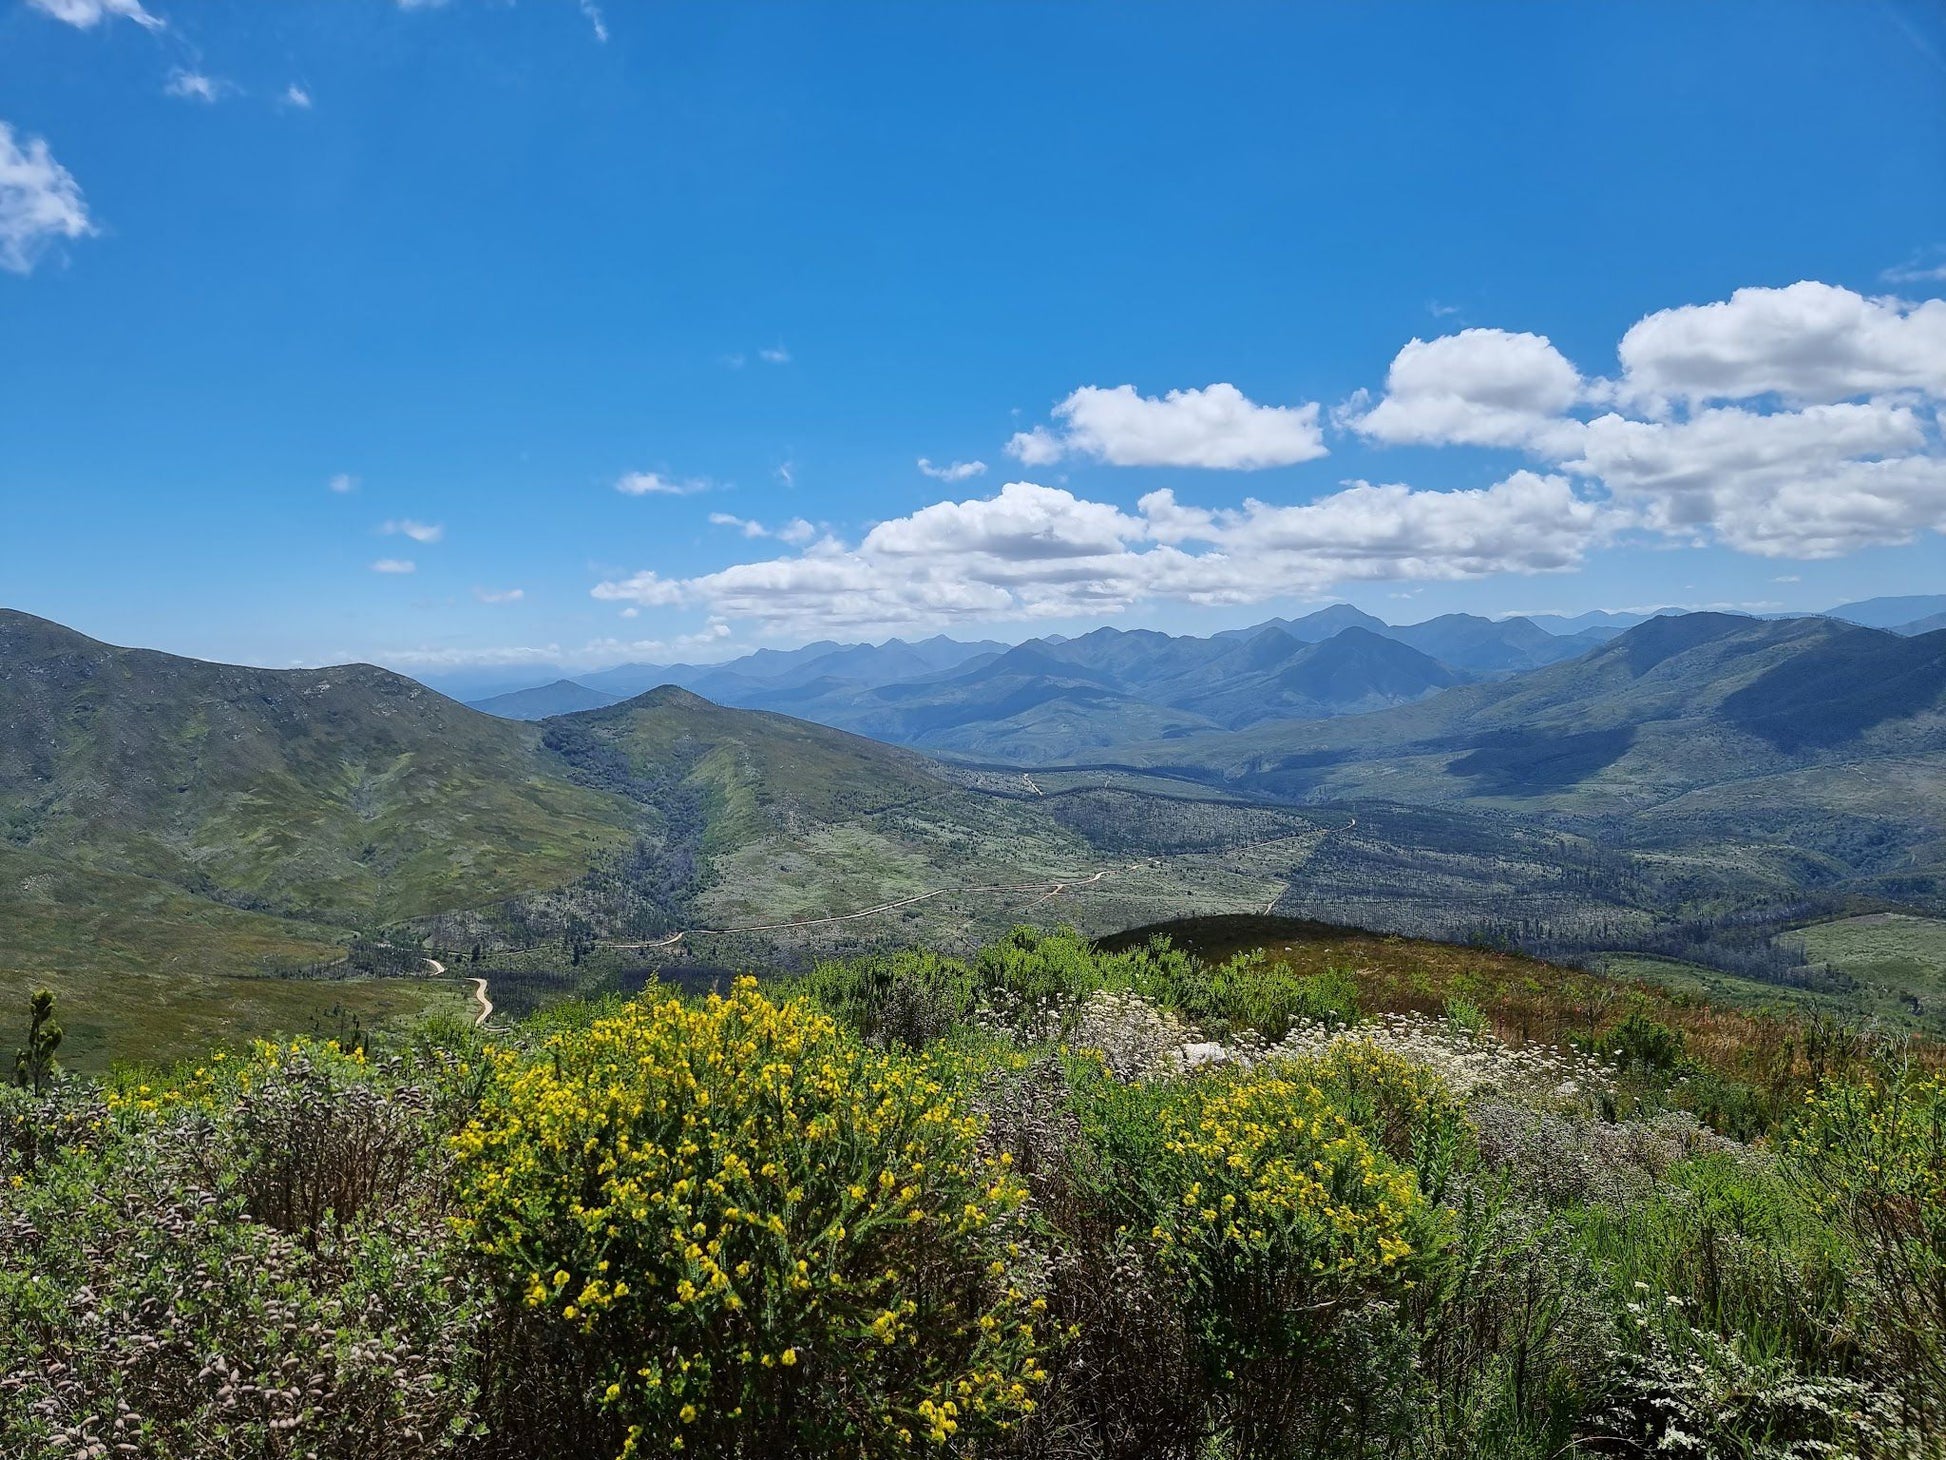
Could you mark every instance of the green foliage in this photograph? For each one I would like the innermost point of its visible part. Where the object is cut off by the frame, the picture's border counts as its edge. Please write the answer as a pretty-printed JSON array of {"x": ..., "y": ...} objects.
[
  {"x": 1640, "y": 1043},
  {"x": 770, "y": 1239},
  {"x": 34, "y": 1064},
  {"x": 1731, "y": 1248},
  {"x": 143, "y": 1311},
  {"x": 1872, "y": 1156},
  {"x": 1031, "y": 974},
  {"x": 982, "y": 1207},
  {"x": 910, "y": 998}
]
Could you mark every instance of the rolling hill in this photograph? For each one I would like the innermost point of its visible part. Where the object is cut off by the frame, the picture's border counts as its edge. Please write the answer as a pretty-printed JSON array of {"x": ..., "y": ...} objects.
[
  {"x": 1802, "y": 741},
  {"x": 164, "y": 820},
  {"x": 159, "y": 813},
  {"x": 346, "y": 797}
]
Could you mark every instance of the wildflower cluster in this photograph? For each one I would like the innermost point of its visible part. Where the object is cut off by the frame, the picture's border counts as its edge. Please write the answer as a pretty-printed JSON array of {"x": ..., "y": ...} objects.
[
  {"x": 1273, "y": 1181},
  {"x": 758, "y": 1227},
  {"x": 1468, "y": 1062}
]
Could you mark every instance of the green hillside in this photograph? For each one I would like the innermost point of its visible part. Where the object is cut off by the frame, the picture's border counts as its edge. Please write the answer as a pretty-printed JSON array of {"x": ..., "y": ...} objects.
[
  {"x": 1700, "y": 736},
  {"x": 347, "y": 796}
]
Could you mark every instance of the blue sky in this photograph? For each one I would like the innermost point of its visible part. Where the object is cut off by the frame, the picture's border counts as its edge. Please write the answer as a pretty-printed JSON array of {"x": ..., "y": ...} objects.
[{"x": 579, "y": 301}]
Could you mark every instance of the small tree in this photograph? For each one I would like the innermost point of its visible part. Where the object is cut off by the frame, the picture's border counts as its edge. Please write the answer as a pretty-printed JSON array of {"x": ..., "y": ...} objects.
[{"x": 35, "y": 1065}]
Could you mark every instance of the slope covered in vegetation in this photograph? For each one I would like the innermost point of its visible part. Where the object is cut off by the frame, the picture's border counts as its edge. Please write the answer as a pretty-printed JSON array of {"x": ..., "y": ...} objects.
[{"x": 1049, "y": 1200}]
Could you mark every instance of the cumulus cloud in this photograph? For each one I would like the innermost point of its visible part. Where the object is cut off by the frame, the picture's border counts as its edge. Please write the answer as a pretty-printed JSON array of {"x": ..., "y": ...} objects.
[
  {"x": 1480, "y": 387},
  {"x": 655, "y": 484},
  {"x": 1796, "y": 422},
  {"x": 344, "y": 481},
  {"x": 957, "y": 471},
  {"x": 87, "y": 14},
  {"x": 1782, "y": 423},
  {"x": 775, "y": 355},
  {"x": 194, "y": 86},
  {"x": 645, "y": 589},
  {"x": 40, "y": 203},
  {"x": 1025, "y": 523},
  {"x": 1034, "y": 551},
  {"x": 499, "y": 595},
  {"x": 395, "y": 565},
  {"x": 417, "y": 531},
  {"x": 297, "y": 97},
  {"x": 1815, "y": 483},
  {"x": 1217, "y": 426},
  {"x": 591, "y": 12},
  {"x": 1808, "y": 343}
]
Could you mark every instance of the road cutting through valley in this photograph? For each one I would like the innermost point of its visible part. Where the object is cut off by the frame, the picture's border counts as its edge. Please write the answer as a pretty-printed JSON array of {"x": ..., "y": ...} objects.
[{"x": 479, "y": 990}]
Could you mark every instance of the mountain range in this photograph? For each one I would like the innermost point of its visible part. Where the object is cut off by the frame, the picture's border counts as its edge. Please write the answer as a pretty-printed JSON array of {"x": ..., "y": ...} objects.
[
  {"x": 1055, "y": 698},
  {"x": 164, "y": 812}
]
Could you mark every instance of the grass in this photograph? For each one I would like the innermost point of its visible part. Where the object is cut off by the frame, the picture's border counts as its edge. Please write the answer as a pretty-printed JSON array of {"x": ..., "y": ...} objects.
[
  {"x": 1899, "y": 958},
  {"x": 156, "y": 1019},
  {"x": 59, "y": 918}
]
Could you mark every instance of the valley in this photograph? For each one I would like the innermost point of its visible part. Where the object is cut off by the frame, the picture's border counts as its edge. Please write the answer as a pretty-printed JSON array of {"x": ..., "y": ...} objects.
[{"x": 1691, "y": 789}]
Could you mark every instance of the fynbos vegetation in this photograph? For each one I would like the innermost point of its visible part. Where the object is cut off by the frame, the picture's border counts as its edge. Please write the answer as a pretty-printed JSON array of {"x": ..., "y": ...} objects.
[{"x": 1048, "y": 1200}]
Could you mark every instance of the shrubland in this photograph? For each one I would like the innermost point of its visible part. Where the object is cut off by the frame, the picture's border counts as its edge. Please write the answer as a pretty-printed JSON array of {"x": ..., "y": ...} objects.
[{"x": 1051, "y": 1200}]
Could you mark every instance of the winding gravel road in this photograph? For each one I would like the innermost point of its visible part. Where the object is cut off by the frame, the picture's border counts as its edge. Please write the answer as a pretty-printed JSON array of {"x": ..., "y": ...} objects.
[{"x": 479, "y": 991}]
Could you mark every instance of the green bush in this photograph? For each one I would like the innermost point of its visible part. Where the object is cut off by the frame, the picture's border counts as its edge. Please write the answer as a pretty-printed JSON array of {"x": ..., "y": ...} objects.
[
  {"x": 772, "y": 1239},
  {"x": 1871, "y": 1158},
  {"x": 143, "y": 1312},
  {"x": 1284, "y": 1229},
  {"x": 910, "y": 998}
]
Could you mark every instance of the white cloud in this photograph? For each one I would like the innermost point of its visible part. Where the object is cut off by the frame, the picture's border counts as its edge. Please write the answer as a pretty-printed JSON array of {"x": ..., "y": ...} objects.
[
  {"x": 742, "y": 524},
  {"x": 1928, "y": 266},
  {"x": 417, "y": 531},
  {"x": 709, "y": 641},
  {"x": 1217, "y": 426},
  {"x": 40, "y": 203},
  {"x": 957, "y": 471},
  {"x": 644, "y": 589},
  {"x": 797, "y": 530},
  {"x": 1809, "y": 343},
  {"x": 297, "y": 97},
  {"x": 655, "y": 484},
  {"x": 87, "y": 14},
  {"x": 194, "y": 86},
  {"x": 775, "y": 355},
  {"x": 344, "y": 481},
  {"x": 501, "y": 595},
  {"x": 395, "y": 565},
  {"x": 1033, "y": 551},
  {"x": 592, "y": 13},
  {"x": 1815, "y": 483},
  {"x": 1480, "y": 387},
  {"x": 1821, "y": 474},
  {"x": 1026, "y": 522}
]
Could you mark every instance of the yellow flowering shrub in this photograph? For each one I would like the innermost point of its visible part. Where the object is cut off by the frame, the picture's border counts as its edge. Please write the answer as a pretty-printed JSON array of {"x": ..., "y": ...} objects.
[
  {"x": 1871, "y": 1157},
  {"x": 1279, "y": 1219},
  {"x": 1389, "y": 1097},
  {"x": 1274, "y": 1182},
  {"x": 771, "y": 1239}
]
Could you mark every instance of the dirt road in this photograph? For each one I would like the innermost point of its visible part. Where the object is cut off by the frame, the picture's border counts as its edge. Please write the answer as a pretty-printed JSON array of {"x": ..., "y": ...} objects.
[{"x": 479, "y": 991}]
